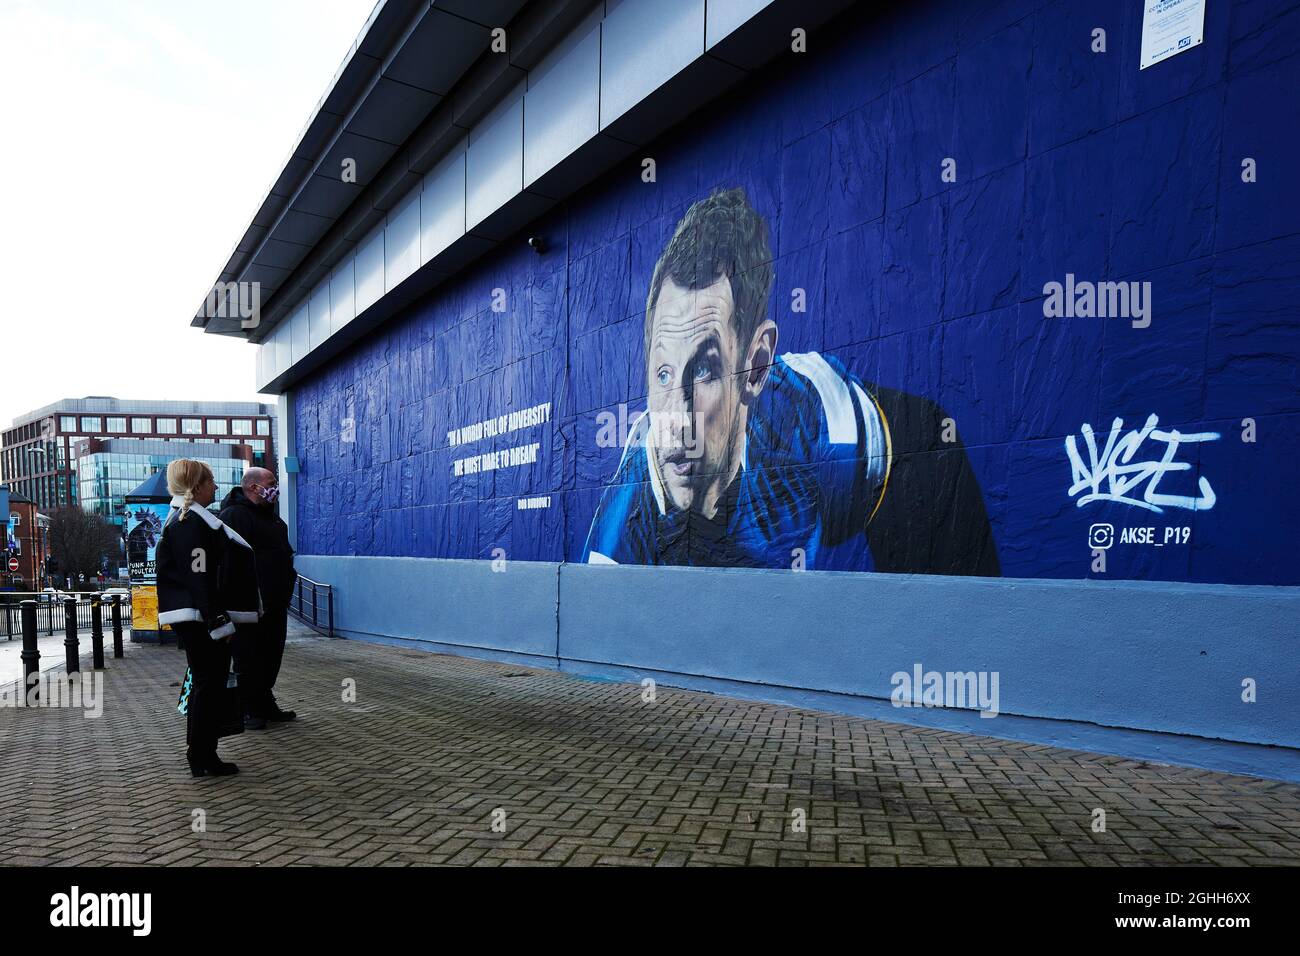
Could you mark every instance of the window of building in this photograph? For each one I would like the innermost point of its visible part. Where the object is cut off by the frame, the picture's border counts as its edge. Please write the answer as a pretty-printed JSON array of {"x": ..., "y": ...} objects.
[
  {"x": 231, "y": 441},
  {"x": 217, "y": 426},
  {"x": 258, "y": 445},
  {"x": 205, "y": 441},
  {"x": 263, "y": 426},
  {"x": 166, "y": 426},
  {"x": 67, "y": 423},
  {"x": 90, "y": 423},
  {"x": 117, "y": 425},
  {"x": 191, "y": 426},
  {"x": 241, "y": 426},
  {"x": 142, "y": 426}
]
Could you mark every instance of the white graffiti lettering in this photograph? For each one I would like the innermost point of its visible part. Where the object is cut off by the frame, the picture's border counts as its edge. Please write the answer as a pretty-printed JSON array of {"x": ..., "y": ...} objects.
[{"x": 1115, "y": 469}]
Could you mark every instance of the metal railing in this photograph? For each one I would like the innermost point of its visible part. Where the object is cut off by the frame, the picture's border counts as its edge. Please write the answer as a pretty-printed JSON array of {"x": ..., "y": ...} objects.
[
  {"x": 313, "y": 604},
  {"x": 51, "y": 613}
]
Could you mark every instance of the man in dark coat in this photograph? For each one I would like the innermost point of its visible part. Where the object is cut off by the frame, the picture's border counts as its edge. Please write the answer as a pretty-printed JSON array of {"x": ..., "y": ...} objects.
[{"x": 259, "y": 648}]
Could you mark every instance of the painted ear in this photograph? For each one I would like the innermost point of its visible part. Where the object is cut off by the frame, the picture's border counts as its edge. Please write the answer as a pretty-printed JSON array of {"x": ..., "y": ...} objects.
[{"x": 762, "y": 353}]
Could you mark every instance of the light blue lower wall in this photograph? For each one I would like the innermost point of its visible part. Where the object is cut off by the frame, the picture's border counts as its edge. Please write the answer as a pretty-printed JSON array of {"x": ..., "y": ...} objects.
[
  {"x": 460, "y": 604},
  {"x": 1148, "y": 670}
]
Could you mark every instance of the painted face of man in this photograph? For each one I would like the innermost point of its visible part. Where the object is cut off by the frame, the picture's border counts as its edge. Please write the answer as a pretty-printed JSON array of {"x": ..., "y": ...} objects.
[{"x": 696, "y": 415}]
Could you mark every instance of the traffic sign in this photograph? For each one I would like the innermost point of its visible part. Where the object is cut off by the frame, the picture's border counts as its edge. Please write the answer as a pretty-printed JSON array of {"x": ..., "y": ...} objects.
[{"x": 13, "y": 564}]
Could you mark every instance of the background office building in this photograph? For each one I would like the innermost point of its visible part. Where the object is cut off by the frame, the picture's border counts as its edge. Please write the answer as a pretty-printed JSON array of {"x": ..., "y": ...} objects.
[
  {"x": 784, "y": 348},
  {"x": 38, "y": 453},
  {"x": 110, "y": 469}
]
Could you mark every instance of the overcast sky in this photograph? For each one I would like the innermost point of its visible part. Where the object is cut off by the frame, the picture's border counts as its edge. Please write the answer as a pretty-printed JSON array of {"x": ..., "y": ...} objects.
[{"x": 137, "y": 139}]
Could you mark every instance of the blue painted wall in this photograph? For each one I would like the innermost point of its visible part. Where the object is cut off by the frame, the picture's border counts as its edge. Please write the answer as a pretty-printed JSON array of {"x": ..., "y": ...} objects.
[{"x": 1067, "y": 161}]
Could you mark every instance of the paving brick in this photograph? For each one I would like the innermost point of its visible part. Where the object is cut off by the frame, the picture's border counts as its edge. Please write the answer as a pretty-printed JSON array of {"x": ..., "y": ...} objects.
[{"x": 411, "y": 775}]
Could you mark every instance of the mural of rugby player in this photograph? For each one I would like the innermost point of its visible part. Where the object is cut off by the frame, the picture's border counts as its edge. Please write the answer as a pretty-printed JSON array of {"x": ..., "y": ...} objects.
[{"x": 746, "y": 457}]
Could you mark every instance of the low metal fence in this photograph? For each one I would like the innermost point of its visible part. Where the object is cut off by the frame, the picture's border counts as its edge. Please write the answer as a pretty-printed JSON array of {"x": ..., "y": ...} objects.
[
  {"x": 51, "y": 612},
  {"x": 313, "y": 604}
]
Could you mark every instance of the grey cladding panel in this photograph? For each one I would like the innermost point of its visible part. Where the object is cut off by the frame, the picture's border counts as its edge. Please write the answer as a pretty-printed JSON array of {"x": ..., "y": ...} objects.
[
  {"x": 392, "y": 111},
  {"x": 437, "y": 51},
  {"x": 370, "y": 155},
  {"x": 302, "y": 227},
  {"x": 326, "y": 196}
]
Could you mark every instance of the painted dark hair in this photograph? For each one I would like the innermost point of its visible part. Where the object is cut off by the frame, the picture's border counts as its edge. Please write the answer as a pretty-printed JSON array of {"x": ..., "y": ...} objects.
[{"x": 720, "y": 235}]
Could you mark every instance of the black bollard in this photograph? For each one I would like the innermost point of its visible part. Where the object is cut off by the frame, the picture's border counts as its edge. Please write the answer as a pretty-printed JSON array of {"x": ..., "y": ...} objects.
[
  {"x": 117, "y": 625},
  {"x": 96, "y": 634},
  {"x": 70, "y": 645},
  {"x": 31, "y": 655}
]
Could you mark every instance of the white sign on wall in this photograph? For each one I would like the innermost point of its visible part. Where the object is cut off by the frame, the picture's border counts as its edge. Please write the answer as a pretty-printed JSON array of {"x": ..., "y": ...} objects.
[{"x": 1170, "y": 27}]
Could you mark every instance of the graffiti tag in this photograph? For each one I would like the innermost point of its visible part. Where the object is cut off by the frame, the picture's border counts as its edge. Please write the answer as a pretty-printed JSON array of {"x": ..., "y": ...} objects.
[{"x": 1113, "y": 475}]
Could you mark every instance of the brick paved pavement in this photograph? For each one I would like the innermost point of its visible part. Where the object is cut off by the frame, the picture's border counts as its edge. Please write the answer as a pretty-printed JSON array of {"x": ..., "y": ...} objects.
[{"x": 586, "y": 774}]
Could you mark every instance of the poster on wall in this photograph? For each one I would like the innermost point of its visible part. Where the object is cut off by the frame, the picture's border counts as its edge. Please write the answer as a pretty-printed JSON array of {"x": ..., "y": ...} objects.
[
  {"x": 144, "y": 608},
  {"x": 1170, "y": 27},
  {"x": 141, "y": 531}
]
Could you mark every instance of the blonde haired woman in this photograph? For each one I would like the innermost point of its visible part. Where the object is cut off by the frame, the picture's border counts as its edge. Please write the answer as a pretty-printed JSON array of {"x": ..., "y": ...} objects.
[{"x": 206, "y": 582}]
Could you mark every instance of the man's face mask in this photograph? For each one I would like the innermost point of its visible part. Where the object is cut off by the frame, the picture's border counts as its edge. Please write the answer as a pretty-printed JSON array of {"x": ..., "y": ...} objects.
[{"x": 270, "y": 493}]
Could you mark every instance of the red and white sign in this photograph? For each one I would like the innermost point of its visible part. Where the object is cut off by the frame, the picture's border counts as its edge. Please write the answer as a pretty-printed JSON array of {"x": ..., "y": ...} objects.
[{"x": 13, "y": 564}]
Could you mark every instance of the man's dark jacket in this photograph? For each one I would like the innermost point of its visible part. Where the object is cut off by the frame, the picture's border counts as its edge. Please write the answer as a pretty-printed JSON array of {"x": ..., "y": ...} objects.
[{"x": 262, "y": 528}]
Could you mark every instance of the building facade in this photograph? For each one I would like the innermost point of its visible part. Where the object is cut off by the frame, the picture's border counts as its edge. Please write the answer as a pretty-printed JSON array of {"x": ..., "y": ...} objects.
[
  {"x": 38, "y": 452},
  {"x": 26, "y": 543},
  {"x": 943, "y": 338},
  {"x": 109, "y": 469}
]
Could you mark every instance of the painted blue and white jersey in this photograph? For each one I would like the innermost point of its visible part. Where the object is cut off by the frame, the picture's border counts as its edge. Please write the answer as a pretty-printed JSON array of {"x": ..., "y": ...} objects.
[{"x": 815, "y": 464}]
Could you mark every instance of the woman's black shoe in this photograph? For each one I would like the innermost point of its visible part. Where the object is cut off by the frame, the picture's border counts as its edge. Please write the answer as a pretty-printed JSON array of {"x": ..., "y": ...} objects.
[
  {"x": 219, "y": 768},
  {"x": 198, "y": 764}
]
